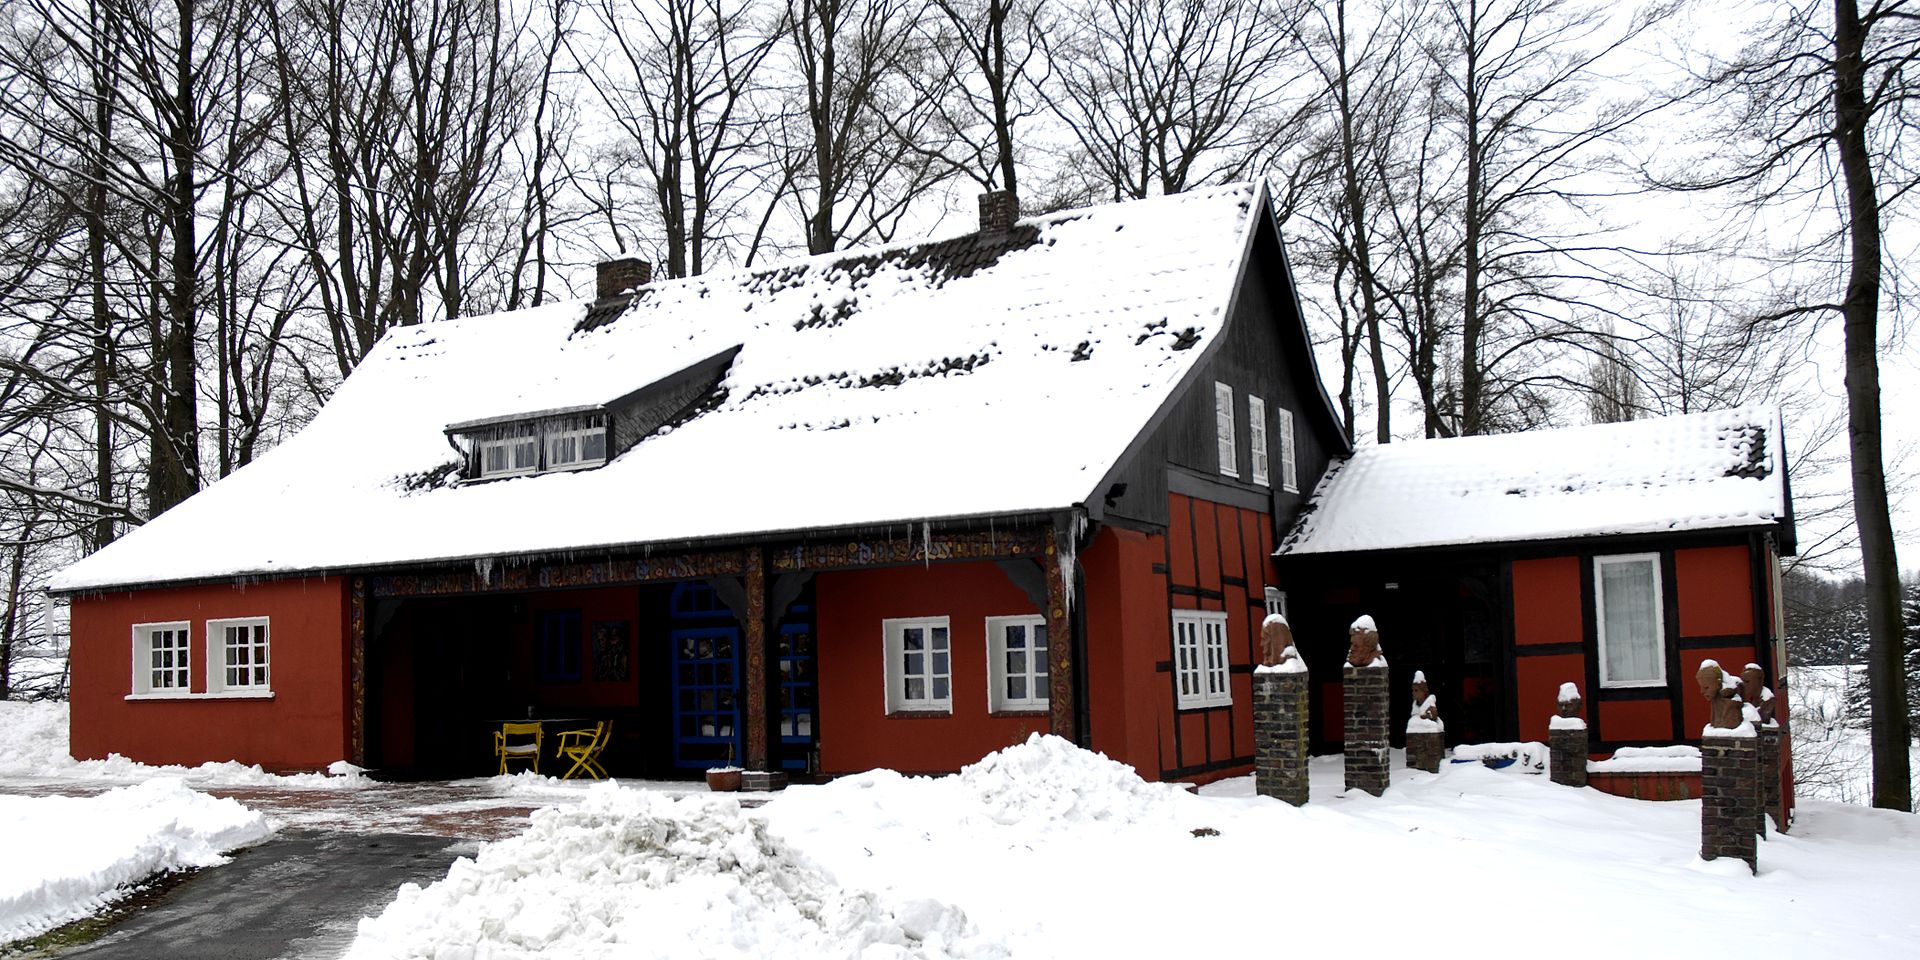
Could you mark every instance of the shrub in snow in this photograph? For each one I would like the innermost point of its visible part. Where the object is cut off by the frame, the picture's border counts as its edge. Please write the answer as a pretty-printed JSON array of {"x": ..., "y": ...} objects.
[{"x": 631, "y": 873}]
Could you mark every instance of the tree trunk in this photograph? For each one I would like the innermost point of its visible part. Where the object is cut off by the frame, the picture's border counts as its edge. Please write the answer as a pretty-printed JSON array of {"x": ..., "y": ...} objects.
[{"x": 1891, "y": 736}]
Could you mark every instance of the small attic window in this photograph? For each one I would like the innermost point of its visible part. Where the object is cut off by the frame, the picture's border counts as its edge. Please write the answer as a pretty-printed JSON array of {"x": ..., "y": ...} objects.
[
  {"x": 508, "y": 450},
  {"x": 576, "y": 441}
]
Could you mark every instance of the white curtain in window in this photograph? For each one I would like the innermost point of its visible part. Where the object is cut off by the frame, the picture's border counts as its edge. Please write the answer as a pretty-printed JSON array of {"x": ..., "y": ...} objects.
[{"x": 1631, "y": 605}]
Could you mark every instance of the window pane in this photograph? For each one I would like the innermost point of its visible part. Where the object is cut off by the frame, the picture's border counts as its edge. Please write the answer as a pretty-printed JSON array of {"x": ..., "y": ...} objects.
[
  {"x": 940, "y": 663},
  {"x": 1016, "y": 688},
  {"x": 1016, "y": 661},
  {"x": 1634, "y": 647},
  {"x": 1039, "y": 637},
  {"x": 939, "y": 638},
  {"x": 916, "y": 663},
  {"x": 1016, "y": 636},
  {"x": 940, "y": 688},
  {"x": 916, "y": 688},
  {"x": 913, "y": 638},
  {"x": 594, "y": 447}
]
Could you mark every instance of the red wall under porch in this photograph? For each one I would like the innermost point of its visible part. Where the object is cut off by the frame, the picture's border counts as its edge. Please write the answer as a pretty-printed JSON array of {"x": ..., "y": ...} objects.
[
  {"x": 855, "y": 731},
  {"x": 303, "y": 726}
]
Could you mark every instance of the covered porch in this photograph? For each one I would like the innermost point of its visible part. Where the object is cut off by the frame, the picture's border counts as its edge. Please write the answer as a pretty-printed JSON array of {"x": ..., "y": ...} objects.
[{"x": 697, "y": 659}]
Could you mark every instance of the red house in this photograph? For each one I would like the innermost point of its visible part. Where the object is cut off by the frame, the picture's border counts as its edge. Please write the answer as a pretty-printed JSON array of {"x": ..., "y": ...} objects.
[{"x": 896, "y": 507}]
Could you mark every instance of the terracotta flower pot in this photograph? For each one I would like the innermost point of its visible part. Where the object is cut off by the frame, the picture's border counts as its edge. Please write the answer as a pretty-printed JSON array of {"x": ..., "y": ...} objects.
[{"x": 723, "y": 779}]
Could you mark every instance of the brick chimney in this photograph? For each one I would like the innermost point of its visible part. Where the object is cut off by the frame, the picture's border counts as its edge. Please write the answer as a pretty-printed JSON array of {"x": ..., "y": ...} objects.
[
  {"x": 998, "y": 210},
  {"x": 615, "y": 277}
]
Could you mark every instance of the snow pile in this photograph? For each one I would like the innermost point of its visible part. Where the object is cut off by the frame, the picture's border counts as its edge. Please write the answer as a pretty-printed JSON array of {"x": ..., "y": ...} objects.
[
  {"x": 69, "y": 856},
  {"x": 634, "y": 874},
  {"x": 1048, "y": 780},
  {"x": 35, "y": 745},
  {"x": 1566, "y": 723},
  {"x": 1679, "y": 759}
]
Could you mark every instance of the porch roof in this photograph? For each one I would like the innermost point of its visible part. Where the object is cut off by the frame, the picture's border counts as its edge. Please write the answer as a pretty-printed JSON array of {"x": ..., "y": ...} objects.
[
  {"x": 980, "y": 375},
  {"x": 1702, "y": 471}
]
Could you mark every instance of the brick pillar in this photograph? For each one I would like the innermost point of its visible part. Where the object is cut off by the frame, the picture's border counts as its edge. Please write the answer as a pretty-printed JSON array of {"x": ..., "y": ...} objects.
[
  {"x": 1567, "y": 741},
  {"x": 1770, "y": 800},
  {"x": 1368, "y": 749},
  {"x": 1729, "y": 795},
  {"x": 1280, "y": 735},
  {"x": 1425, "y": 748}
]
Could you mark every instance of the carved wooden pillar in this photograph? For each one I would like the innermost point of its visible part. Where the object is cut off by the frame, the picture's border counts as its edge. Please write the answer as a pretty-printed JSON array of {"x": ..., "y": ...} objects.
[
  {"x": 1059, "y": 572},
  {"x": 357, "y": 671},
  {"x": 755, "y": 682}
]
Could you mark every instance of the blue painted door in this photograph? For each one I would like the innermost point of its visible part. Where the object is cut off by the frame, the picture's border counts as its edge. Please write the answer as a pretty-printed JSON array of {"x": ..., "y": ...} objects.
[{"x": 706, "y": 680}]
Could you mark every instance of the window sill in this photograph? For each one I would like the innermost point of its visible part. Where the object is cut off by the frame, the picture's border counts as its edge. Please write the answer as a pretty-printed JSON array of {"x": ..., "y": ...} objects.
[
  {"x": 1195, "y": 707},
  {"x": 1632, "y": 684},
  {"x": 931, "y": 713},
  {"x": 248, "y": 695},
  {"x": 1040, "y": 711}
]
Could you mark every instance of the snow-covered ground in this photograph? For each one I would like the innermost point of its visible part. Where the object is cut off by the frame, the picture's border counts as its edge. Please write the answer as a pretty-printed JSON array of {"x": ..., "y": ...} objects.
[
  {"x": 1043, "y": 850},
  {"x": 69, "y": 856}
]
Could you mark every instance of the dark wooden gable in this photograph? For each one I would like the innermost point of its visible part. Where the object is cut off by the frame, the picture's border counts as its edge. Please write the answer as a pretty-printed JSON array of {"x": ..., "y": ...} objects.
[{"x": 1263, "y": 351}]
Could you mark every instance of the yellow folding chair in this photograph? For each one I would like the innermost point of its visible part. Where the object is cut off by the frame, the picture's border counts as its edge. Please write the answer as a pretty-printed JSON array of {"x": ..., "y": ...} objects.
[
  {"x": 510, "y": 743},
  {"x": 583, "y": 747}
]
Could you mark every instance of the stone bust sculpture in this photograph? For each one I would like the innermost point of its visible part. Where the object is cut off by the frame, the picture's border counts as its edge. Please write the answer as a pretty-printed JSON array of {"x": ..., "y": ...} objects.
[
  {"x": 1425, "y": 705},
  {"x": 1276, "y": 642},
  {"x": 1570, "y": 702},
  {"x": 1363, "y": 643},
  {"x": 1723, "y": 695}
]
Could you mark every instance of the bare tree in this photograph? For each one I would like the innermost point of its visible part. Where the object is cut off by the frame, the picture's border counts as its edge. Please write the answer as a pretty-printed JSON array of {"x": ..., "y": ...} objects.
[
  {"x": 1519, "y": 78},
  {"x": 684, "y": 80},
  {"x": 990, "y": 64},
  {"x": 1159, "y": 96},
  {"x": 1816, "y": 115},
  {"x": 855, "y": 178}
]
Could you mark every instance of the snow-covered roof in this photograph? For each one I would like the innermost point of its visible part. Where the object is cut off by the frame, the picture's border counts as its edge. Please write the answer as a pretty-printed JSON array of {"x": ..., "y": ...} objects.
[
  {"x": 1701, "y": 471},
  {"x": 981, "y": 375}
]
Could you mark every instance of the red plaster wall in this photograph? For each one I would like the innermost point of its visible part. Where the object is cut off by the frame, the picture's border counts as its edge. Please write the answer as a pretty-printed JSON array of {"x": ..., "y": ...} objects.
[
  {"x": 304, "y": 725},
  {"x": 1647, "y": 786},
  {"x": 1637, "y": 721},
  {"x": 1125, "y": 642},
  {"x": 595, "y": 606},
  {"x": 1546, "y": 601},
  {"x": 1716, "y": 596},
  {"x": 1538, "y": 680},
  {"x": 855, "y": 732}
]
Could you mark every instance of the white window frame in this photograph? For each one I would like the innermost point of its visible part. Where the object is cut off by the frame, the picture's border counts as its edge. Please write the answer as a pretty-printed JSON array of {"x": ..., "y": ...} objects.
[
  {"x": 1223, "y": 429},
  {"x": 1289, "y": 467},
  {"x": 578, "y": 429},
  {"x": 1257, "y": 438},
  {"x": 1201, "y": 677},
  {"x": 218, "y": 684},
  {"x": 1037, "y": 692},
  {"x": 181, "y": 664},
  {"x": 505, "y": 438},
  {"x": 1652, "y": 560},
  {"x": 896, "y": 674},
  {"x": 1276, "y": 601}
]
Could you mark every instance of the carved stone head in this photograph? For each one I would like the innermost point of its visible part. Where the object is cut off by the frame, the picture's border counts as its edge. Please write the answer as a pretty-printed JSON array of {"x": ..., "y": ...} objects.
[
  {"x": 1570, "y": 702},
  {"x": 1363, "y": 643},
  {"x": 1276, "y": 638},
  {"x": 1753, "y": 689}
]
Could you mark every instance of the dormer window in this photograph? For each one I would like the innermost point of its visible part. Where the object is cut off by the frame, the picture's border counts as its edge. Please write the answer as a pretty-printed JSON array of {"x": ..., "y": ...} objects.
[
  {"x": 509, "y": 450},
  {"x": 576, "y": 442},
  {"x": 541, "y": 444}
]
